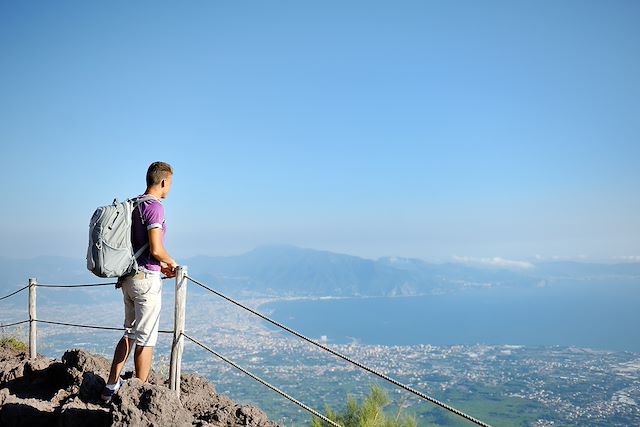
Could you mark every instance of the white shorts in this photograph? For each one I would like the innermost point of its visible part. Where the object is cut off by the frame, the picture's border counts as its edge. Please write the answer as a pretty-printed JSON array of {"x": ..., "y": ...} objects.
[{"x": 142, "y": 301}]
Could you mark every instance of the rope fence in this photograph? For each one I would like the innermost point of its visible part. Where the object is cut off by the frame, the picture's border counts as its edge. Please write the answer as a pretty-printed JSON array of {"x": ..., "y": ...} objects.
[
  {"x": 346, "y": 358},
  {"x": 13, "y": 324},
  {"x": 8, "y": 325},
  {"x": 263, "y": 382},
  {"x": 178, "y": 333},
  {"x": 33, "y": 284},
  {"x": 13, "y": 293},
  {"x": 106, "y": 328},
  {"x": 76, "y": 286}
]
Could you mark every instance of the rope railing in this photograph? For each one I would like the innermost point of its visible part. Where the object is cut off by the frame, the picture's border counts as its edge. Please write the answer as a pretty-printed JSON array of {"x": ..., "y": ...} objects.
[
  {"x": 107, "y": 328},
  {"x": 346, "y": 358},
  {"x": 13, "y": 324},
  {"x": 52, "y": 322},
  {"x": 82, "y": 285},
  {"x": 13, "y": 293},
  {"x": 178, "y": 332},
  {"x": 75, "y": 286},
  {"x": 8, "y": 325},
  {"x": 263, "y": 382},
  {"x": 33, "y": 320}
]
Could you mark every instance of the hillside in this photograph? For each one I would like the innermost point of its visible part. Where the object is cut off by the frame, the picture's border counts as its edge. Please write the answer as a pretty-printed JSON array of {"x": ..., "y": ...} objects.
[
  {"x": 285, "y": 270},
  {"x": 292, "y": 271},
  {"x": 65, "y": 393}
]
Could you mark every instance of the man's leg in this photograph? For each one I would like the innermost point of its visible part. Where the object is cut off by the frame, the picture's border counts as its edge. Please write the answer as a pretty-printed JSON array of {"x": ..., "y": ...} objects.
[
  {"x": 142, "y": 359},
  {"x": 120, "y": 357},
  {"x": 147, "y": 311}
]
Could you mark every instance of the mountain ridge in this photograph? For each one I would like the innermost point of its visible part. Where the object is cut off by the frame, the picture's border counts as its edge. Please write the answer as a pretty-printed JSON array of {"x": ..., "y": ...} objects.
[{"x": 287, "y": 270}]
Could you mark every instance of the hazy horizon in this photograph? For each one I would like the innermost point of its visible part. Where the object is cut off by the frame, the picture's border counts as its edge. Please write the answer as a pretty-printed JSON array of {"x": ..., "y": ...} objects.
[{"x": 522, "y": 263}]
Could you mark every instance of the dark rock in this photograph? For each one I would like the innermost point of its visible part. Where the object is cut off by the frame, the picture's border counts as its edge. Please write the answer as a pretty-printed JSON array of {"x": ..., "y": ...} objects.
[
  {"x": 26, "y": 412},
  {"x": 86, "y": 362},
  {"x": 199, "y": 397},
  {"x": 76, "y": 413},
  {"x": 144, "y": 404},
  {"x": 42, "y": 384},
  {"x": 153, "y": 377},
  {"x": 91, "y": 387},
  {"x": 197, "y": 394},
  {"x": 44, "y": 392},
  {"x": 89, "y": 372},
  {"x": 8, "y": 351},
  {"x": 252, "y": 416},
  {"x": 13, "y": 363}
]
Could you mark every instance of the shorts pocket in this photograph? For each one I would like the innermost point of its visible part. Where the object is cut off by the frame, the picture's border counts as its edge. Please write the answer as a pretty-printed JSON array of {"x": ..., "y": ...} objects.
[{"x": 141, "y": 287}]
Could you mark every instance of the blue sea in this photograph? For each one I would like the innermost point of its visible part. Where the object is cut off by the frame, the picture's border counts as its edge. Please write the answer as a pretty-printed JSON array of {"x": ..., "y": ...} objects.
[{"x": 596, "y": 315}]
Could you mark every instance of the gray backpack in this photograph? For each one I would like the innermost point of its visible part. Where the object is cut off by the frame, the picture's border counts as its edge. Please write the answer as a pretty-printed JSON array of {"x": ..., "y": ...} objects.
[{"x": 110, "y": 252}]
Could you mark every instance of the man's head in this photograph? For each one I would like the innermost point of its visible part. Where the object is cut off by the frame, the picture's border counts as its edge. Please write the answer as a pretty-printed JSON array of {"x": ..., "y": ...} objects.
[{"x": 159, "y": 176}]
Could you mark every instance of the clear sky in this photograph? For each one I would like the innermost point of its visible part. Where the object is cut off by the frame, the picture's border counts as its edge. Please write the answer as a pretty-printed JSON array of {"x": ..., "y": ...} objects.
[{"x": 428, "y": 129}]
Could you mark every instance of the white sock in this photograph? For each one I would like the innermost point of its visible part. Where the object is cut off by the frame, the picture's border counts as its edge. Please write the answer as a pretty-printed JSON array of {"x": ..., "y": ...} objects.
[{"x": 115, "y": 386}]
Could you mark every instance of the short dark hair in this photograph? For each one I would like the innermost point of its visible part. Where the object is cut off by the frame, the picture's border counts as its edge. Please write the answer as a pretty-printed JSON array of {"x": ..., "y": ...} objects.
[{"x": 157, "y": 172}]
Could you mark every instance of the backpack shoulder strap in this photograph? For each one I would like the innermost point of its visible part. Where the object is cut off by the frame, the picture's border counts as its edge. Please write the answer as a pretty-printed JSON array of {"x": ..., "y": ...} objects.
[
  {"x": 141, "y": 250},
  {"x": 137, "y": 201},
  {"x": 141, "y": 199}
]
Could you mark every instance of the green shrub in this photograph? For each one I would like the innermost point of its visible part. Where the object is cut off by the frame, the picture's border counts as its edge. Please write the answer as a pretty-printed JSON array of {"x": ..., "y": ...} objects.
[
  {"x": 369, "y": 413},
  {"x": 14, "y": 343}
]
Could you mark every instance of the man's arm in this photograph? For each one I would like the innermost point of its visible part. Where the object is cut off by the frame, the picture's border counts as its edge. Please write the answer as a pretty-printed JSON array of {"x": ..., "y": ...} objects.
[{"x": 158, "y": 251}]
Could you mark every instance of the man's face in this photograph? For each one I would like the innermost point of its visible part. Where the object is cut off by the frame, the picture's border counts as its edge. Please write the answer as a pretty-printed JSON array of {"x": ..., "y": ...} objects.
[{"x": 166, "y": 185}]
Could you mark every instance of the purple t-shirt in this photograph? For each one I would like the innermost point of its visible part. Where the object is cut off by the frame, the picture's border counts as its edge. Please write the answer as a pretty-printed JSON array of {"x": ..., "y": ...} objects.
[{"x": 152, "y": 217}]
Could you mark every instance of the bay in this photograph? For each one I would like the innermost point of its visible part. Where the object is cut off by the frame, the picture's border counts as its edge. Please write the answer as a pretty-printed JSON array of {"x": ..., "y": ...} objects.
[{"x": 585, "y": 314}]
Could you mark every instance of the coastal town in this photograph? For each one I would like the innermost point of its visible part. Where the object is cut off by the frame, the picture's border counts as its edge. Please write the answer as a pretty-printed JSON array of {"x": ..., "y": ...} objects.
[{"x": 537, "y": 386}]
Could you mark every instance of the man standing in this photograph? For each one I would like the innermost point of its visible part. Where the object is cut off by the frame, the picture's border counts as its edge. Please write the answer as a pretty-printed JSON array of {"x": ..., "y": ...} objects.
[{"x": 143, "y": 291}]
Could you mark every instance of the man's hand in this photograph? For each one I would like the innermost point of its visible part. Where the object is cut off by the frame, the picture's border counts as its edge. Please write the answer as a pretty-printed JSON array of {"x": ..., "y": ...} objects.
[{"x": 168, "y": 270}]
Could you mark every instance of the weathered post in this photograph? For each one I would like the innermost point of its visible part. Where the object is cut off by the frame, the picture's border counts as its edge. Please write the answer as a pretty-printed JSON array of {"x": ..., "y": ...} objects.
[
  {"x": 33, "y": 323},
  {"x": 178, "y": 329}
]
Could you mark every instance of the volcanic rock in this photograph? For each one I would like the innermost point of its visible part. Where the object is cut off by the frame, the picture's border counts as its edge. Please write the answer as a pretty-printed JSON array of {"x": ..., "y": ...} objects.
[{"x": 66, "y": 393}]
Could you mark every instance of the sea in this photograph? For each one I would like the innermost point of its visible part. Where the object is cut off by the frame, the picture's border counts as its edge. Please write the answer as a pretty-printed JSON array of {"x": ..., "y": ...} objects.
[{"x": 587, "y": 314}]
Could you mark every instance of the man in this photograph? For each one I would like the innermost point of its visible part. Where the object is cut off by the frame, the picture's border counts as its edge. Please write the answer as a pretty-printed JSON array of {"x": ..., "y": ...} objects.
[{"x": 142, "y": 291}]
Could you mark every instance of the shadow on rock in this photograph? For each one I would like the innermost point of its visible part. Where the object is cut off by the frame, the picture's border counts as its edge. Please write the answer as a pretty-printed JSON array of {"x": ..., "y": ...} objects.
[
  {"x": 27, "y": 414},
  {"x": 42, "y": 384}
]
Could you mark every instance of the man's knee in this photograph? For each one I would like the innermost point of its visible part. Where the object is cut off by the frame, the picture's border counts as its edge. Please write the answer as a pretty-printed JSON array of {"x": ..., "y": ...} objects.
[{"x": 146, "y": 349}]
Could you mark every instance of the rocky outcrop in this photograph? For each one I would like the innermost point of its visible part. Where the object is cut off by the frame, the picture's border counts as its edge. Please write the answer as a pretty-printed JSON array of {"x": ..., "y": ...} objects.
[{"x": 66, "y": 393}]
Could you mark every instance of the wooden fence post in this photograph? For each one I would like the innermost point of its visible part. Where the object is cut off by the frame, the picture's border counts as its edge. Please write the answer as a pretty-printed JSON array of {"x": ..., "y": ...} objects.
[
  {"x": 178, "y": 329},
  {"x": 33, "y": 323}
]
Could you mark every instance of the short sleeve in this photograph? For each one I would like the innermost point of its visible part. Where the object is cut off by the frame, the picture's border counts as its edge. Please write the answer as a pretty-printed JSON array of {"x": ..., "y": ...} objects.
[{"x": 153, "y": 215}]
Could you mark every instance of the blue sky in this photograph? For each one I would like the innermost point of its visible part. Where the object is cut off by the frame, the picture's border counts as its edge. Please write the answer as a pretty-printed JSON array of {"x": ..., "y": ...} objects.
[{"x": 423, "y": 129}]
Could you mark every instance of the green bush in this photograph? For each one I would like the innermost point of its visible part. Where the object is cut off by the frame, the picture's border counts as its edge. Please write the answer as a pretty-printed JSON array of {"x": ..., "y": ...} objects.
[
  {"x": 13, "y": 343},
  {"x": 369, "y": 413}
]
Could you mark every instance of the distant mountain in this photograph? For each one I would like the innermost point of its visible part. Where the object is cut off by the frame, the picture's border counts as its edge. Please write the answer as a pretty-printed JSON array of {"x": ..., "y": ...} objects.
[{"x": 289, "y": 270}]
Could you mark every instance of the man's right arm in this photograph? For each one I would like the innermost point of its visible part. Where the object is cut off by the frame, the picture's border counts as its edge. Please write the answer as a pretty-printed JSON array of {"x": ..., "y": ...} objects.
[{"x": 156, "y": 247}]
